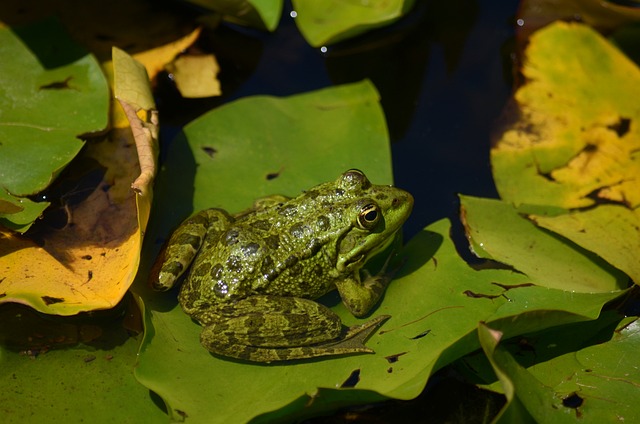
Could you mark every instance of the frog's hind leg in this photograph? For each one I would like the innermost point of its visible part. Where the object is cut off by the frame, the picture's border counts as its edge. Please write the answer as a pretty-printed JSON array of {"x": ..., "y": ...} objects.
[
  {"x": 271, "y": 328},
  {"x": 183, "y": 245}
]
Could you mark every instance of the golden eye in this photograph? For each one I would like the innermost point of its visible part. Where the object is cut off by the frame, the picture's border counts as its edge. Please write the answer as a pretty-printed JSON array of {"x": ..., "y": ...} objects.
[{"x": 369, "y": 216}]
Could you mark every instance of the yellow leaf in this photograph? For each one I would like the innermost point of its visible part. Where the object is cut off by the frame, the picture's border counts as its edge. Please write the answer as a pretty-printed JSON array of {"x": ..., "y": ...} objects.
[
  {"x": 157, "y": 58},
  {"x": 577, "y": 134},
  {"x": 196, "y": 75}
]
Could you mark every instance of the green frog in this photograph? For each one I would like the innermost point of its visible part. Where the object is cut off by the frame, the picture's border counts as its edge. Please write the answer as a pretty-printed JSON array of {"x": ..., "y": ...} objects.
[{"x": 254, "y": 276}]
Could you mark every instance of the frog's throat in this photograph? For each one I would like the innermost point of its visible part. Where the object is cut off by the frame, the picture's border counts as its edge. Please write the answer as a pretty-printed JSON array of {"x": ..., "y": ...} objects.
[
  {"x": 358, "y": 260},
  {"x": 381, "y": 247}
]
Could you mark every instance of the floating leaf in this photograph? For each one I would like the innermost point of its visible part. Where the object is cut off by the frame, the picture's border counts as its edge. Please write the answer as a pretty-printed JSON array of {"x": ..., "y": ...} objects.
[
  {"x": 330, "y": 21},
  {"x": 51, "y": 93},
  {"x": 196, "y": 75},
  {"x": 69, "y": 371},
  {"x": 498, "y": 232},
  {"x": 578, "y": 124},
  {"x": 611, "y": 231},
  {"x": 594, "y": 384}
]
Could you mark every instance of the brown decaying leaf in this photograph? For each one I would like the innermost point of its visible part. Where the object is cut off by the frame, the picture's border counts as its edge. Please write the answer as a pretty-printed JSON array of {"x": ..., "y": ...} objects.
[{"x": 145, "y": 135}]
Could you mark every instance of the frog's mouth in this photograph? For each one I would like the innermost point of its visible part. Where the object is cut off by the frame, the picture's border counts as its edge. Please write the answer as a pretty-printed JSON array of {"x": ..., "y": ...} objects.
[
  {"x": 381, "y": 247},
  {"x": 359, "y": 259}
]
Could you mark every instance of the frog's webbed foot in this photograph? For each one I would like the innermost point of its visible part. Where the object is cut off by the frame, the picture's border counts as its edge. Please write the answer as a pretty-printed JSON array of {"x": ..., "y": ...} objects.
[{"x": 271, "y": 328}]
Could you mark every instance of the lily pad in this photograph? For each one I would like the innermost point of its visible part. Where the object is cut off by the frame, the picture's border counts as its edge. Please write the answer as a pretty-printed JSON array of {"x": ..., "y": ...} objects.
[
  {"x": 328, "y": 22},
  {"x": 52, "y": 93},
  {"x": 70, "y": 370},
  {"x": 594, "y": 384},
  {"x": 611, "y": 231},
  {"x": 577, "y": 131},
  {"x": 497, "y": 231}
]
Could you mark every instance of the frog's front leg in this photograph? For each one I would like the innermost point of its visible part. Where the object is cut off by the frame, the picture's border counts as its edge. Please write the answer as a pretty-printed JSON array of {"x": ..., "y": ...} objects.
[
  {"x": 266, "y": 328},
  {"x": 183, "y": 245},
  {"x": 359, "y": 296}
]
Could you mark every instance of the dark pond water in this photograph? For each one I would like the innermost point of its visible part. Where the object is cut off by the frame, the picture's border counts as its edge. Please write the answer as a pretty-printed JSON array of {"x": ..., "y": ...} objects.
[{"x": 443, "y": 73}]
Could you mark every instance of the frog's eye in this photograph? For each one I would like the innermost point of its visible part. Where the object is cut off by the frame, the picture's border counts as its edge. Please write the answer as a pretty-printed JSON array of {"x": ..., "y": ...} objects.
[
  {"x": 369, "y": 216},
  {"x": 354, "y": 179}
]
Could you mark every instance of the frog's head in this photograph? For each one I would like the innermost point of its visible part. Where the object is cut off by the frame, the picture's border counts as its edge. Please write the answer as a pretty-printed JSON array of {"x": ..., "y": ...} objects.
[{"x": 375, "y": 212}]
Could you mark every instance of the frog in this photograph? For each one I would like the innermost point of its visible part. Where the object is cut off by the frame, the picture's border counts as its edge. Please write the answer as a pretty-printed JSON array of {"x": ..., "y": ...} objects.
[{"x": 252, "y": 279}]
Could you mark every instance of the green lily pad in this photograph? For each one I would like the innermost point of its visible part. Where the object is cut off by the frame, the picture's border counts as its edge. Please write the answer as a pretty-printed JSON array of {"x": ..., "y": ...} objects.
[
  {"x": 51, "y": 93},
  {"x": 595, "y": 384},
  {"x": 264, "y": 145},
  {"x": 328, "y": 22},
  {"x": 70, "y": 370},
  {"x": 498, "y": 232}
]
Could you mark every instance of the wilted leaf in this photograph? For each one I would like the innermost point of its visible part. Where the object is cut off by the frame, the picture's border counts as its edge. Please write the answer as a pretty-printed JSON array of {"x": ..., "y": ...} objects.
[
  {"x": 326, "y": 22},
  {"x": 90, "y": 260},
  {"x": 51, "y": 93},
  {"x": 496, "y": 231},
  {"x": 435, "y": 303},
  {"x": 577, "y": 131},
  {"x": 576, "y": 141},
  {"x": 196, "y": 75},
  {"x": 131, "y": 88},
  {"x": 605, "y": 16},
  {"x": 156, "y": 59}
]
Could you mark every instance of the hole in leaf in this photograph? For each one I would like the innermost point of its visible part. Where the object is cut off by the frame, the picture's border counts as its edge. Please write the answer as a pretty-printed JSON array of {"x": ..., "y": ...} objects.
[
  {"x": 573, "y": 401},
  {"x": 621, "y": 127},
  {"x": 57, "y": 85},
  {"x": 421, "y": 335},
  {"x": 512, "y": 286},
  {"x": 474, "y": 295},
  {"x": 394, "y": 358},
  {"x": 48, "y": 300},
  {"x": 210, "y": 151},
  {"x": 352, "y": 380},
  {"x": 272, "y": 175}
]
